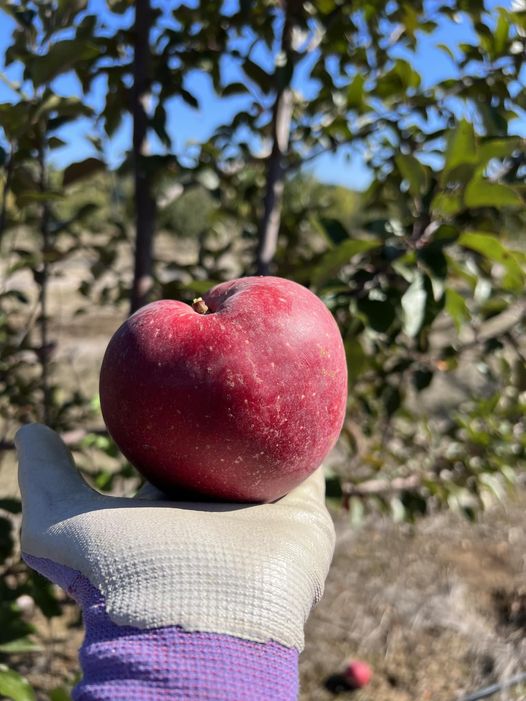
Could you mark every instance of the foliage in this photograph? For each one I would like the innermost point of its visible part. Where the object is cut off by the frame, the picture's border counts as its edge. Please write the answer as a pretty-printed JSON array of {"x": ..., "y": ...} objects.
[{"x": 424, "y": 271}]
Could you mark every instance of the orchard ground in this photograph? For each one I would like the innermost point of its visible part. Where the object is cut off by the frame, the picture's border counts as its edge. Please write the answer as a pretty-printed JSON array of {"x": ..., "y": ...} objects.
[{"x": 437, "y": 608}]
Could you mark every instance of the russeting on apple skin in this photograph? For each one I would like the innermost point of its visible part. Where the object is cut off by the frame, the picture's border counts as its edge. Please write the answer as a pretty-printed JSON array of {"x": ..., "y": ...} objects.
[{"x": 238, "y": 397}]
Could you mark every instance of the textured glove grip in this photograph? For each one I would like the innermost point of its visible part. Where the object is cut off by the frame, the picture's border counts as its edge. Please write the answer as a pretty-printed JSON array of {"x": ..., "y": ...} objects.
[{"x": 127, "y": 663}]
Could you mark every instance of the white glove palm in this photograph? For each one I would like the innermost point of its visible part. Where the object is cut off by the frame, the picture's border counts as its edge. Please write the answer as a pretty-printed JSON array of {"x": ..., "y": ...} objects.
[{"x": 251, "y": 571}]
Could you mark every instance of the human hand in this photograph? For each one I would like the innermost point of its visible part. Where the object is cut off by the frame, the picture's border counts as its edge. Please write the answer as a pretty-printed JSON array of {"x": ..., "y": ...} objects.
[{"x": 250, "y": 572}]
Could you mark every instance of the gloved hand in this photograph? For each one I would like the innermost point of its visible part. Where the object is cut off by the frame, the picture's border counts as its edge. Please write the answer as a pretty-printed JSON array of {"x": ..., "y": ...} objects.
[{"x": 180, "y": 600}]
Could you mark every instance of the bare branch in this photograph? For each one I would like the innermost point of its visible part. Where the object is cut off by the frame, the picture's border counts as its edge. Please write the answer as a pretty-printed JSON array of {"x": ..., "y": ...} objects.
[{"x": 382, "y": 486}]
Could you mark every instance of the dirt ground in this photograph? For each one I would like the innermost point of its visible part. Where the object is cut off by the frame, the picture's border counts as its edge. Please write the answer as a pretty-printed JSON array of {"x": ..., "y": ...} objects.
[{"x": 438, "y": 609}]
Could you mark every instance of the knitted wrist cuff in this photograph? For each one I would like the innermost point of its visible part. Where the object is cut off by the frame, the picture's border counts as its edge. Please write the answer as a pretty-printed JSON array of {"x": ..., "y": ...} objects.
[{"x": 123, "y": 662}]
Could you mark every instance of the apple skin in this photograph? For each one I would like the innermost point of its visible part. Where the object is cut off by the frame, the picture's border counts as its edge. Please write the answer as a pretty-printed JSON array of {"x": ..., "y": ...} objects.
[
  {"x": 241, "y": 403},
  {"x": 358, "y": 674}
]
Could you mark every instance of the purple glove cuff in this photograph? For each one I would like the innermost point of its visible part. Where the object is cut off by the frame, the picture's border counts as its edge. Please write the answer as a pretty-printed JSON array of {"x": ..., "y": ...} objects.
[{"x": 169, "y": 664}]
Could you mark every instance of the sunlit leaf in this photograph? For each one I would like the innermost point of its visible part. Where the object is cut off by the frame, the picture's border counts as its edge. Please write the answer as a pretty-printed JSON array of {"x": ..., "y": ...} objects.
[
  {"x": 498, "y": 148},
  {"x": 15, "y": 687},
  {"x": 21, "y": 645},
  {"x": 447, "y": 203},
  {"x": 414, "y": 306},
  {"x": 457, "y": 308},
  {"x": 414, "y": 172},
  {"x": 355, "y": 92},
  {"x": 483, "y": 193},
  {"x": 461, "y": 147},
  {"x": 59, "y": 694}
]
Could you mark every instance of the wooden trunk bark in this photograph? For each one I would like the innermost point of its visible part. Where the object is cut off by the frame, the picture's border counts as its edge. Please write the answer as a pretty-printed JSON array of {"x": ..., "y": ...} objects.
[
  {"x": 281, "y": 121},
  {"x": 43, "y": 278},
  {"x": 145, "y": 206}
]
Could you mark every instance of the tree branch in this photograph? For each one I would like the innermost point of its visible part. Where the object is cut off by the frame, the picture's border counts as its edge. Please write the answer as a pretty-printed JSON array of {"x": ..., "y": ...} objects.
[
  {"x": 382, "y": 486},
  {"x": 144, "y": 202},
  {"x": 43, "y": 279},
  {"x": 281, "y": 121},
  {"x": 5, "y": 192}
]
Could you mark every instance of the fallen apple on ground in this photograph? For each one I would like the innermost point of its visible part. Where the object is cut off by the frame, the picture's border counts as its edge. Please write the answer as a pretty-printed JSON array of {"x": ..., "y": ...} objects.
[
  {"x": 357, "y": 674},
  {"x": 239, "y": 396}
]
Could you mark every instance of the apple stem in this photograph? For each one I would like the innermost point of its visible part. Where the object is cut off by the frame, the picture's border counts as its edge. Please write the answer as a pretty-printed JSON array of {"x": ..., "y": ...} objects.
[{"x": 199, "y": 305}]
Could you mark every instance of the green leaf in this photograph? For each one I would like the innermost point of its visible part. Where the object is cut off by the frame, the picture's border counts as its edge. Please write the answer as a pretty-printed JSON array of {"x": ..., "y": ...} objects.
[
  {"x": 378, "y": 315},
  {"x": 189, "y": 98},
  {"x": 60, "y": 58},
  {"x": 483, "y": 193},
  {"x": 120, "y": 6},
  {"x": 422, "y": 378},
  {"x": 258, "y": 75},
  {"x": 435, "y": 260},
  {"x": 334, "y": 230},
  {"x": 489, "y": 246},
  {"x": 447, "y": 50},
  {"x": 414, "y": 172},
  {"x": 55, "y": 142},
  {"x": 13, "y": 686},
  {"x": 414, "y": 306},
  {"x": 337, "y": 257},
  {"x": 495, "y": 119},
  {"x": 20, "y": 645},
  {"x": 356, "y": 358},
  {"x": 457, "y": 308},
  {"x": 355, "y": 92},
  {"x": 333, "y": 487},
  {"x": 391, "y": 398},
  {"x": 500, "y": 34},
  {"x": 461, "y": 147},
  {"x": 82, "y": 169},
  {"x": 401, "y": 78},
  {"x": 447, "y": 203},
  {"x": 234, "y": 89},
  {"x": 208, "y": 179},
  {"x": 59, "y": 694},
  {"x": 498, "y": 148},
  {"x": 43, "y": 595}
]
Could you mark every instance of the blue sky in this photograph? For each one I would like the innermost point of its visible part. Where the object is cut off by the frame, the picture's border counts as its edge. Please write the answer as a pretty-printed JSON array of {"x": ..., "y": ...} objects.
[{"x": 187, "y": 125}]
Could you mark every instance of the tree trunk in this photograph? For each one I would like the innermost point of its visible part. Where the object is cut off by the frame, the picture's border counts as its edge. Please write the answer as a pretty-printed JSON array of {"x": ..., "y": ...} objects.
[
  {"x": 281, "y": 120},
  {"x": 144, "y": 201},
  {"x": 5, "y": 192},
  {"x": 42, "y": 279}
]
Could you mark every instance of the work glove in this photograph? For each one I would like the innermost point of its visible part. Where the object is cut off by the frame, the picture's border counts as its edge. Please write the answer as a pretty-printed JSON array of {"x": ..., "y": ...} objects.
[{"x": 180, "y": 600}]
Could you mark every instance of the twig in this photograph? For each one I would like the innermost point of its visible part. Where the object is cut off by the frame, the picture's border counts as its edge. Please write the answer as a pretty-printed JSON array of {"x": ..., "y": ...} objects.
[
  {"x": 382, "y": 486},
  {"x": 495, "y": 688}
]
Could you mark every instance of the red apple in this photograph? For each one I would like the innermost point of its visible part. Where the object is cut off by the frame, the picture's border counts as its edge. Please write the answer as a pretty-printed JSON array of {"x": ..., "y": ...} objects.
[
  {"x": 358, "y": 674},
  {"x": 239, "y": 398}
]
